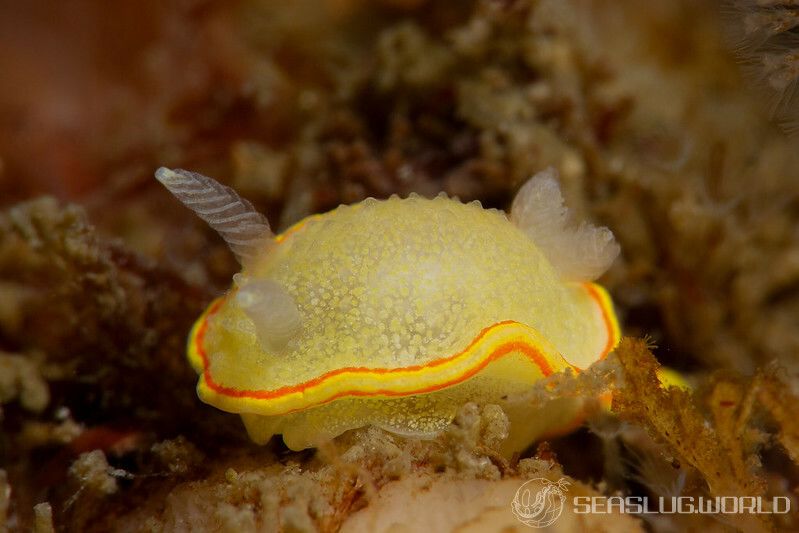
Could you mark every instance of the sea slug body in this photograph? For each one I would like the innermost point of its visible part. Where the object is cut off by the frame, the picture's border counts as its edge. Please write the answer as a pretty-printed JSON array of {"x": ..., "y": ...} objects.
[{"x": 396, "y": 312}]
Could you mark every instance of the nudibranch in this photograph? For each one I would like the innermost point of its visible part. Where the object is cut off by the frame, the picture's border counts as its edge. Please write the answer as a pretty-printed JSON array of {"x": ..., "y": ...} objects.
[{"x": 396, "y": 312}]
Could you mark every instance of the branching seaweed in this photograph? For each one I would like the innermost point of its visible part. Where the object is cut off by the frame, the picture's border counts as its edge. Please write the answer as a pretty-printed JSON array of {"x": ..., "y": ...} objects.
[{"x": 725, "y": 449}]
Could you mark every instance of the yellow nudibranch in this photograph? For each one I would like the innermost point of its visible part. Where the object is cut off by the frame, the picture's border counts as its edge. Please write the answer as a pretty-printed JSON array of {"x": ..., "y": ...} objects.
[{"x": 396, "y": 312}]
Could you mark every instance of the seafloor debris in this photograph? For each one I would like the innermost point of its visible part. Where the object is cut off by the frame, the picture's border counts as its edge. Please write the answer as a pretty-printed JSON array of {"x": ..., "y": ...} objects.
[
  {"x": 20, "y": 380},
  {"x": 765, "y": 35},
  {"x": 372, "y": 471}
]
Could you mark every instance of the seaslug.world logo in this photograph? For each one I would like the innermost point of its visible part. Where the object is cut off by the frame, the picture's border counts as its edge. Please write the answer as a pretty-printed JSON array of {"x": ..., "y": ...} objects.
[
  {"x": 542, "y": 507},
  {"x": 539, "y": 502}
]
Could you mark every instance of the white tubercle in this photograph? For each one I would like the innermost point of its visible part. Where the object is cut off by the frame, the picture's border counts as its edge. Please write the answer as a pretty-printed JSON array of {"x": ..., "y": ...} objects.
[{"x": 273, "y": 311}]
